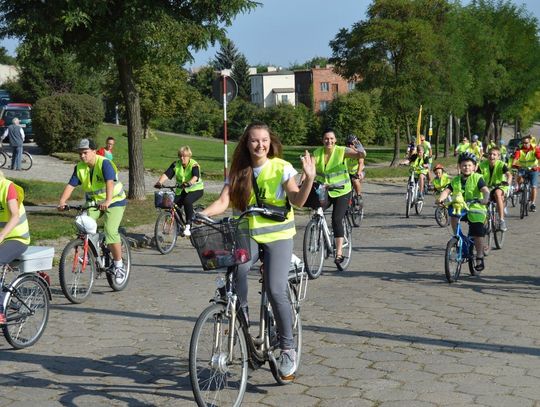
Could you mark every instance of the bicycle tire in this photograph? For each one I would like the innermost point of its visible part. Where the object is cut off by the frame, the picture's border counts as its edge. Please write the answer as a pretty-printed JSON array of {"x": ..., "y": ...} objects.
[
  {"x": 126, "y": 260},
  {"x": 452, "y": 264},
  {"x": 488, "y": 236},
  {"x": 297, "y": 336},
  {"x": 26, "y": 161},
  {"x": 418, "y": 206},
  {"x": 471, "y": 259},
  {"x": 408, "y": 202},
  {"x": 513, "y": 198},
  {"x": 356, "y": 210},
  {"x": 498, "y": 234},
  {"x": 27, "y": 312},
  {"x": 165, "y": 232},
  {"x": 76, "y": 282},
  {"x": 3, "y": 159},
  {"x": 313, "y": 249},
  {"x": 441, "y": 216},
  {"x": 347, "y": 245},
  {"x": 215, "y": 382},
  {"x": 523, "y": 201}
]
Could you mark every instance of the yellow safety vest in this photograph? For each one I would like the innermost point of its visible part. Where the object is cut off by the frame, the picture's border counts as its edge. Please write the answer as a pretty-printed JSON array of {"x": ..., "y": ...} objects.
[
  {"x": 528, "y": 159},
  {"x": 477, "y": 212},
  {"x": 185, "y": 174},
  {"x": 94, "y": 184},
  {"x": 265, "y": 230},
  {"x": 334, "y": 172},
  {"x": 441, "y": 183},
  {"x": 21, "y": 231}
]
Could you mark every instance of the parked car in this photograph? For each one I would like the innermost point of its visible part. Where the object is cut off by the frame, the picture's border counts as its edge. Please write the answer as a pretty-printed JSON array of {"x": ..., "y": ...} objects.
[
  {"x": 23, "y": 111},
  {"x": 513, "y": 145},
  {"x": 5, "y": 97}
]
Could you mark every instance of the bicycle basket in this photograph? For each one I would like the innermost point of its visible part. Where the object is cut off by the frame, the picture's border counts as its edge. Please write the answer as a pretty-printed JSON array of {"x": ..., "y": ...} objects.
[
  {"x": 222, "y": 244},
  {"x": 164, "y": 199}
]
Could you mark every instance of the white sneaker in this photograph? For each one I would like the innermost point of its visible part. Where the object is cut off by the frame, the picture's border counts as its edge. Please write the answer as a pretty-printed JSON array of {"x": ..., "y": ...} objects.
[
  {"x": 287, "y": 363},
  {"x": 119, "y": 275},
  {"x": 187, "y": 231}
]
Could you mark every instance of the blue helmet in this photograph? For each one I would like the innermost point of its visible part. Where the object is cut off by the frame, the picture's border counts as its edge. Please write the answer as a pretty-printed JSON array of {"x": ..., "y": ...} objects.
[
  {"x": 475, "y": 137},
  {"x": 466, "y": 156},
  {"x": 501, "y": 142}
]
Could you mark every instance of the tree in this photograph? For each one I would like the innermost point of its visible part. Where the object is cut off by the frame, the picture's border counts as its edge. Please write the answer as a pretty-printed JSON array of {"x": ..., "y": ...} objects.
[
  {"x": 203, "y": 79},
  {"x": 5, "y": 58},
  {"x": 226, "y": 56},
  {"x": 312, "y": 63},
  {"x": 125, "y": 34},
  {"x": 240, "y": 73}
]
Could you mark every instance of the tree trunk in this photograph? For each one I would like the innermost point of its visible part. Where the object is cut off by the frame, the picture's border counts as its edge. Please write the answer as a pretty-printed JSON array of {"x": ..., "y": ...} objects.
[
  {"x": 408, "y": 130},
  {"x": 134, "y": 130},
  {"x": 449, "y": 131},
  {"x": 396, "y": 159},
  {"x": 468, "y": 121},
  {"x": 457, "y": 132}
]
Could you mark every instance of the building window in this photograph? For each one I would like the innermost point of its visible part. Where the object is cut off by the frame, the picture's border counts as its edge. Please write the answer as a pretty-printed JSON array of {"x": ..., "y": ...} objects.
[
  {"x": 351, "y": 86},
  {"x": 323, "y": 105},
  {"x": 325, "y": 86},
  {"x": 284, "y": 98}
]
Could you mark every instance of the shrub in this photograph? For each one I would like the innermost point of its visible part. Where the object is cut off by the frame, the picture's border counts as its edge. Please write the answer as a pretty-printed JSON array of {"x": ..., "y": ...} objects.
[
  {"x": 61, "y": 120},
  {"x": 288, "y": 122}
]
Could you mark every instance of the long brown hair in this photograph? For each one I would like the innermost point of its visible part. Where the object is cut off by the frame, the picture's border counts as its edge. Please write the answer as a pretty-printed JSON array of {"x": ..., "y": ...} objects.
[{"x": 241, "y": 173}]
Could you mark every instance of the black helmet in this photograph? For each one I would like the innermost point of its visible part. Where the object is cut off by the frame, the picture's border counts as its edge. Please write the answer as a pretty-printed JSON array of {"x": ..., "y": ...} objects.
[
  {"x": 351, "y": 139},
  {"x": 466, "y": 156}
]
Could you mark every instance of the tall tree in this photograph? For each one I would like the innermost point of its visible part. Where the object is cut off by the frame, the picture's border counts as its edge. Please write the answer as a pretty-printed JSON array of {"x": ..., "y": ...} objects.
[
  {"x": 240, "y": 73},
  {"x": 5, "y": 58},
  {"x": 227, "y": 55},
  {"x": 125, "y": 34}
]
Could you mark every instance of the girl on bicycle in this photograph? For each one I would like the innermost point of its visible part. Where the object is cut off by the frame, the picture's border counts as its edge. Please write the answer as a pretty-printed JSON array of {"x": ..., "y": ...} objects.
[
  {"x": 332, "y": 172},
  {"x": 188, "y": 179},
  {"x": 14, "y": 232},
  {"x": 257, "y": 159}
]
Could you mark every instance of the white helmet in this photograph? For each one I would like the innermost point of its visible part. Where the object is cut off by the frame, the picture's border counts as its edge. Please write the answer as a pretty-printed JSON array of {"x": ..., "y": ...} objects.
[{"x": 86, "y": 224}]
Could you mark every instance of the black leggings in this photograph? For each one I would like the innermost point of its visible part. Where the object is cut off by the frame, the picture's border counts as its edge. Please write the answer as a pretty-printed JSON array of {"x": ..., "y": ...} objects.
[
  {"x": 341, "y": 203},
  {"x": 187, "y": 199}
]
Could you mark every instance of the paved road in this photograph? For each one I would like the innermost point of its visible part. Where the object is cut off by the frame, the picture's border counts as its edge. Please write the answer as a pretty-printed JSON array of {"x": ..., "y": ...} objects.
[{"x": 388, "y": 332}]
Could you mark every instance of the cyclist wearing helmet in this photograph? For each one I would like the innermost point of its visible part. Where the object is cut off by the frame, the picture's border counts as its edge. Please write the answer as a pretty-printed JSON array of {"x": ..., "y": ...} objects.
[
  {"x": 527, "y": 159},
  {"x": 475, "y": 147},
  {"x": 472, "y": 186},
  {"x": 355, "y": 166},
  {"x": 419, "y": 165},
  {"x": 498, "y": 177}
]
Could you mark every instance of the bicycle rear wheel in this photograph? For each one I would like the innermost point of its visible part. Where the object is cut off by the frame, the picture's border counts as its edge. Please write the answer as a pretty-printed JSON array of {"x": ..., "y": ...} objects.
[
  {"x": 313, "y": 249},
  {"x": 26, "y": 161},
  {"x": 3, "y": 159},
  {"x": 441, "y": 216},
  {"x": 471, "y": 259},
  {"x": 76, "y": 276},
  {"x": 165, "y": 232},
  {"x": 27, "y": 312},
  {"x": 489, "y": 232},
  {"x": 216, "y": 380},
  {"x": 452, "y": 262},
  {"x": 297, "y": 335},
  {"x": 498, "y": 234},
  {"x": 126, "y": 260},
  {"x": 356, "y": 210}
]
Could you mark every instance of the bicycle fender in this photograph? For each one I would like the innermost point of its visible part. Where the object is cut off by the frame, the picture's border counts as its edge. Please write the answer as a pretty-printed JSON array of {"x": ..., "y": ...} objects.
[{"x": 37, "y": 278}]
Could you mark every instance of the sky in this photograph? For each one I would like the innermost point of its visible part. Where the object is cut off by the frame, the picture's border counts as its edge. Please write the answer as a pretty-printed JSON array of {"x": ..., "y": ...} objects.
[{"x": 284, "y": 32}]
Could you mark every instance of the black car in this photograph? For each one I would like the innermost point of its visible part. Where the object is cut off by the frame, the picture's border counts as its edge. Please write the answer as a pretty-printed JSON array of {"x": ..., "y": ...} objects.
[{"x": 23, "y": 111}]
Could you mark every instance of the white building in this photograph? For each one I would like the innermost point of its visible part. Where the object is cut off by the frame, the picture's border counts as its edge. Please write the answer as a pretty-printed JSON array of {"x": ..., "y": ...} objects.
[
  {"x": 272, "y": 88},
  {"x": 8, "y": 72}
]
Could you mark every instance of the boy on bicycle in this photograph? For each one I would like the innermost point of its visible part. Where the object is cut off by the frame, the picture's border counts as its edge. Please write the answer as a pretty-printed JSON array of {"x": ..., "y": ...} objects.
[
  {"x": 472, "y": 187},
  {"x": 419, "y": 164},
  {"x": 441, "y": 180},
  {"x": 498, "y": 177}
]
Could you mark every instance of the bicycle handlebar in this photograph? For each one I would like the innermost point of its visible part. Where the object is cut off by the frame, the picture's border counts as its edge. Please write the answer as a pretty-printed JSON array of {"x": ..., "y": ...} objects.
[
  {"x": 199, "y": 217},
  {"x": 86, "y": 205}
]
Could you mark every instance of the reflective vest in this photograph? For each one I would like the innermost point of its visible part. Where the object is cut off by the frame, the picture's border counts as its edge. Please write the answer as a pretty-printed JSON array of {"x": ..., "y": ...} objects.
[
  {"x": 495, "y": 177},
  {"x": 21, "y": 231},
  {"x": 441, "y": 183},
  {"x": 427, "y": 146},
  {"x": 94, "y": 184},
  {"x": 418, "y": 165},
  {"x": 477, "y": 212},
  {"x": 185, "y": 174},
  {"x": 475, "y": 150},
  {"x": 462, "y": 147},
  {"x": 352, "y": 165},
  {"x": 264, "y": 230},
  {"x": 528, "y": 159},
  {"x": 334, "y": 172}
]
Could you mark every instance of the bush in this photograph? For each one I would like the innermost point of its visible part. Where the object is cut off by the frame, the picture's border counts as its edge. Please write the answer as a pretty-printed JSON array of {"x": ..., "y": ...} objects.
[
  {"x": 288, "y": 122},
  {"x": 59, "y": 121}
]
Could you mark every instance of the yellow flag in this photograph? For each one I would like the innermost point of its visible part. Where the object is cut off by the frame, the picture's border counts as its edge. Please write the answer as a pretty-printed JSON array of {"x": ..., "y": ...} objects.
[{"x": 419, "y": 125}]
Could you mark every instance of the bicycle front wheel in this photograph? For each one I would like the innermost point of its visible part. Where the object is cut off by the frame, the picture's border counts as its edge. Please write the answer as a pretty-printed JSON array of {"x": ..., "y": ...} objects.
[
  {"x": 313, "y": 249},
  {"x": 3, "y": 159},
  {"x": 357, "y": 210},
  {"x": 126, "y": 260},
  {"x": 26, "y": 161},
  {"x": 27, "y": 312},
  {"x": 76, "y": 275},
  {"x": 217, "y": 378},
  {"x": 498, "y": 234},
  {"x": 441, "y": 216},
  {"x": 418, "y": 206},
  {"x": 165, "y": 232},
  {"x": 524, "y": 201},
  {"x": 489, "y": 232},
  {"x": 409, "y": 201},
  {"x": 452, "y": 261},
  {"x": 347, "y": 245}
]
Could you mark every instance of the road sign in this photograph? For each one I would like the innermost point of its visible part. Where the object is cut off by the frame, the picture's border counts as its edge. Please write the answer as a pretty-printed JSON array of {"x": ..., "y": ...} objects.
[{"x": 231, "y": 87}]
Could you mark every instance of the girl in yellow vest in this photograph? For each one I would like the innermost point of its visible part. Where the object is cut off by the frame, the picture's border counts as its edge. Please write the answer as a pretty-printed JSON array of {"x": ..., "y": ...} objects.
[
  {"x": 332, "y": 172},
  {"x": 257, "y": 157},
  {"x": 188, "y": 177},
  {"x": 98, "y": 177},
  {"x": 14, "y": 231}
]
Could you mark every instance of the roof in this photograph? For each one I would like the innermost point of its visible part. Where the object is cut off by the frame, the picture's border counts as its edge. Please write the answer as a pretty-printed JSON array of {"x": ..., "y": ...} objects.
[
  {"x": 274, "y": 73},
  {"x": 283, "y": 90}
]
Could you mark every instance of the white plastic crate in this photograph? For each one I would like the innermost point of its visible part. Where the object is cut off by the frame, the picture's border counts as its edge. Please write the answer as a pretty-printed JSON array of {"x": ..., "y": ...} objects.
[{"x": 35, "y": 258}]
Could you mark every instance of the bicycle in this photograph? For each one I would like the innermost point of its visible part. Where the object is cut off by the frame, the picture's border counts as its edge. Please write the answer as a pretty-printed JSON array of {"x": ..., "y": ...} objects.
[
  {"x": 459, "y": 249},
  {"x": 319, "y": 243},
  {"x": 170, "y": 222},
  {"x": 493, "y": 222},
  {"x": 26, "y": 161},
  {"x": 525, "y": 193},
  {"x": 27, "y": 296},
  {"x": 355, "y": 210},
  {"x": 221, "y": 347},
  {"x": 513, "y": 190},
  {"x": 87, "y": 258},
  {"x": 412, "y": 198}
]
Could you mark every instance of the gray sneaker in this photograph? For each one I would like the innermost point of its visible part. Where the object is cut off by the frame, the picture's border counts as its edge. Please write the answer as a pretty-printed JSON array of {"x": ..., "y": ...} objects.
[
  {"x": 287, "y": 363},
  {"x": 502, "y": 225},
  {"x": 119, "y": 275}
]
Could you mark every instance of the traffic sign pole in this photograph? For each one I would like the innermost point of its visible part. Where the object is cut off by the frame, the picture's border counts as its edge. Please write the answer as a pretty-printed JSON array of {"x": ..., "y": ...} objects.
[{"x": 225, "y": 155}]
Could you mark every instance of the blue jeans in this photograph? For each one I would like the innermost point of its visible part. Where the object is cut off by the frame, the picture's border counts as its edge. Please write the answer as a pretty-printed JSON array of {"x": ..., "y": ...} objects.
[{"x": 16, "y": 157}]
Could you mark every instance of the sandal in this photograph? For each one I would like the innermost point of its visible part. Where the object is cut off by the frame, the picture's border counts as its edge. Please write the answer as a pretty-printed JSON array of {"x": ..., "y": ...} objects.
[
  {"x": 338, "y": 260},
  {"x": 479, "y": 264}
]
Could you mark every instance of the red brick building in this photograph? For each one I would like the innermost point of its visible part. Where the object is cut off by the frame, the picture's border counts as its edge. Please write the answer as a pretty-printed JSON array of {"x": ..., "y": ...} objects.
[{"x": 317, "y": 87}]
